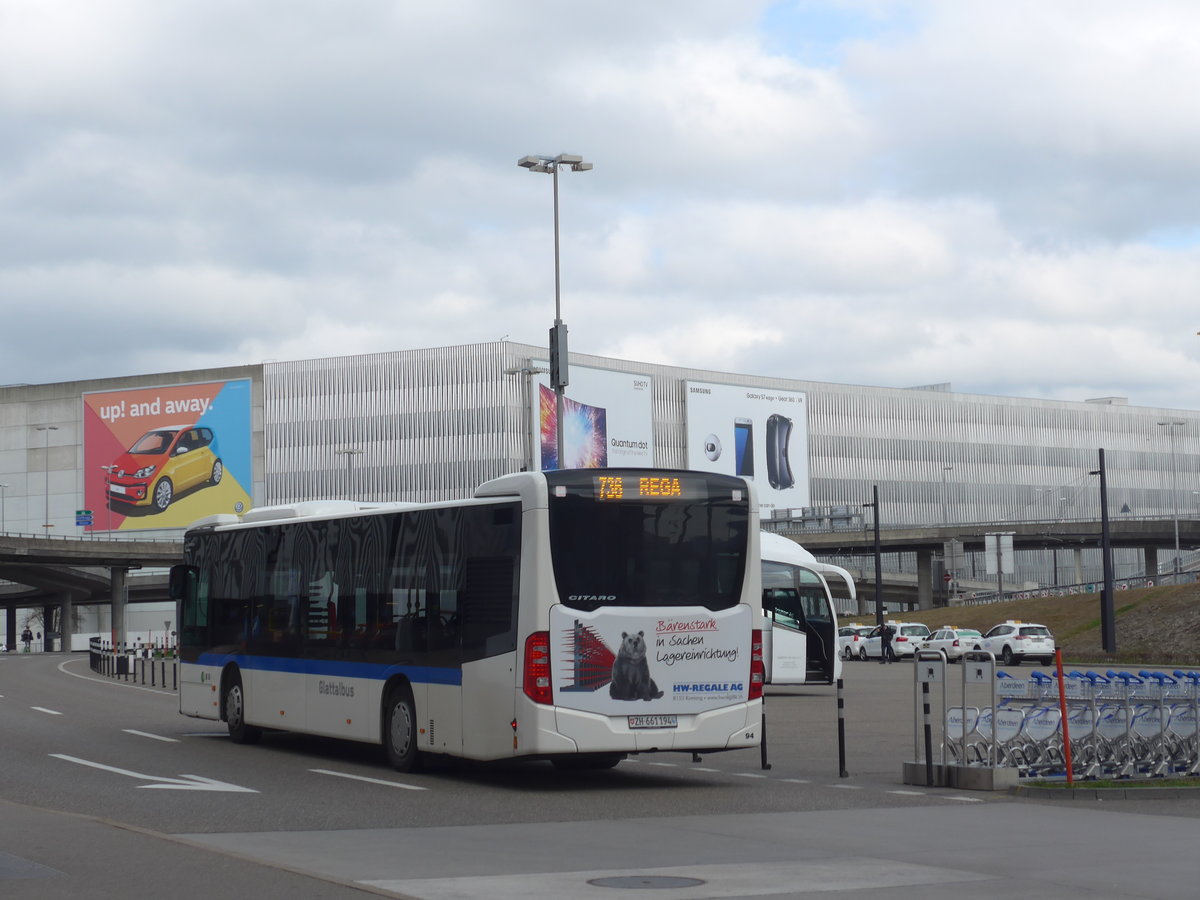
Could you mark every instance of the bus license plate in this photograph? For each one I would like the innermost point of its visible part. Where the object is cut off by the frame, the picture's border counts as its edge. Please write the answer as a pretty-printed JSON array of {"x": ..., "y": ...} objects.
[{"x": 663, "y": 721}]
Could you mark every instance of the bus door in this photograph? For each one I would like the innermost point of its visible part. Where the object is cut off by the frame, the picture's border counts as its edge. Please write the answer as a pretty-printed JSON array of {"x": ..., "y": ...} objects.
[
  {"x": 787, "y": 654},
  {"x": 820, "y": 626}
]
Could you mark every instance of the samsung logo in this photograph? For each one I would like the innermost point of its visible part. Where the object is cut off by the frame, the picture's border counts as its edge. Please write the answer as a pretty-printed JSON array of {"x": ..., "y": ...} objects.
[{"x": 697, "y": 390}]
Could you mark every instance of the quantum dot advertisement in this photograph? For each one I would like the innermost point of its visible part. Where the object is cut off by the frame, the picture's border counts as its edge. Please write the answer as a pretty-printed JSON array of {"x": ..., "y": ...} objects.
[
  {"x": 607, "y": 420},
  {"x": 163, "y": 457}
]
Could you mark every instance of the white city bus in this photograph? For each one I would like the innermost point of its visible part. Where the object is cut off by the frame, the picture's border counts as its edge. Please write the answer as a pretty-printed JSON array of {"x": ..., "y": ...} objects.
[
  {"x": 800, "y": 636},
  {"x": 575, "y": 615}
]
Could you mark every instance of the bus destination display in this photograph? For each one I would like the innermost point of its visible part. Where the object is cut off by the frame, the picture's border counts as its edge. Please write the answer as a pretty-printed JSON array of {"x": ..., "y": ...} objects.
[{"x": 644, "y": 487}]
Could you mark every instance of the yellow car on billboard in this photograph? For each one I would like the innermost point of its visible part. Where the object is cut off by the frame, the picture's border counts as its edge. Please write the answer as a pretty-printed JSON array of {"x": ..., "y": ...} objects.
[{"x": 163, "y": 463}]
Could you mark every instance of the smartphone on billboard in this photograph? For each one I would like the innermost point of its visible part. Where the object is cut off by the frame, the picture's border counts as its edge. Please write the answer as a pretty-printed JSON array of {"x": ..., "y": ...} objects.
[
  {"x": 743, "y": 443},
  {"x": 779, "y": 469}
]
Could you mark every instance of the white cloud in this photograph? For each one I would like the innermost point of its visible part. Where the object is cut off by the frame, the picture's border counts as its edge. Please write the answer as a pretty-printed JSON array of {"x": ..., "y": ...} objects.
[{"x": 1003, "y": 196}]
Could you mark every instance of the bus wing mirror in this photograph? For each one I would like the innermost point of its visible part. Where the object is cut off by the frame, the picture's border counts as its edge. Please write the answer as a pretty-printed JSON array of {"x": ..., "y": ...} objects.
[{"x": 183, "y": 581}]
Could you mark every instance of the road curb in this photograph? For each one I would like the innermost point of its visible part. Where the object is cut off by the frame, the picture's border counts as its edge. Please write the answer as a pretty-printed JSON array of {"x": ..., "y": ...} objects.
[{"x": 1117, "y": 793}]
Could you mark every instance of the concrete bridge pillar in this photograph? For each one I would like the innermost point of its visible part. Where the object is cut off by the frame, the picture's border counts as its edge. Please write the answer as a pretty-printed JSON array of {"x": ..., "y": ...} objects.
[
  {"x": 10, "y": 629},
  {"x": 66, "y": 628},
  {"x": 924, "y": 579},
  {"x": 1150, "y": 554},
  {"x": 1078, "y": 565}
]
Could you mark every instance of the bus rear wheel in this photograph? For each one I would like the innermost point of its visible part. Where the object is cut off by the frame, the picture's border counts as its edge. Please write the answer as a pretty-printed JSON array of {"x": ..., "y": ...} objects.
[
  {"x": 400, "y": 730},
  {"x": 235, "y": 713}
]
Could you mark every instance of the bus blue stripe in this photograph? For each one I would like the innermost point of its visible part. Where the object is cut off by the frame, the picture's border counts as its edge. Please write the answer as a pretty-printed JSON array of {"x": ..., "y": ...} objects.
[{"x": 333, "y": 668}]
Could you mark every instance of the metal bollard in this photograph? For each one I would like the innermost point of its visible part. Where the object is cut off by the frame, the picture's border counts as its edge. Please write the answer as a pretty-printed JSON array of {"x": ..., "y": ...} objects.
[
  {"x": 928, "y": 734},
  {"x": 841, "y": 707}
]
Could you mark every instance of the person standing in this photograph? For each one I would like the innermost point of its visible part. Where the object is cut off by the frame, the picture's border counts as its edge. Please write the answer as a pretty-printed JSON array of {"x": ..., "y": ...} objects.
[
  {"x": 886, "y": 653},
  {"x": 27, "y": 638}
]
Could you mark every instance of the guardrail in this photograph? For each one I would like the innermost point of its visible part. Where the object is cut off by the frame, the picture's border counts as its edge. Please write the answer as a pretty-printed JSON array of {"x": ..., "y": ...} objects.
[{"x": 152, "y": 666}]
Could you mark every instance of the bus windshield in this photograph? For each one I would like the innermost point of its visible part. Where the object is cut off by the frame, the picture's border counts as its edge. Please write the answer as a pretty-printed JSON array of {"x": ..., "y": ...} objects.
[{"x": 658, "y": 539}]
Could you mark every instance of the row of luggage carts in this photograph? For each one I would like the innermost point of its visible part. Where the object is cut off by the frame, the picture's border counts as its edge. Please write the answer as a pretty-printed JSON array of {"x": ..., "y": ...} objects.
[{"x": 1120, "y": 725}]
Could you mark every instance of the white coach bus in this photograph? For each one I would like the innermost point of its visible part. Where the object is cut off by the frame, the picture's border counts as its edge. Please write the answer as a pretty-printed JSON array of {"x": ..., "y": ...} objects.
[
  {"x": 575, "y": 615},
  {"x": 800, "y": 637}
]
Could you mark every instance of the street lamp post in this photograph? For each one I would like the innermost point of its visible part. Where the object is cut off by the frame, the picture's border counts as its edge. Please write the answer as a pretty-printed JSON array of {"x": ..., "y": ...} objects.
[
  {"x": 559, "y": 376},
  {"x": 874, "y": 504},
  {"x": 46, "y": 526},
  {"x": 1170, "y": 426},
  {"x": 945, "y": 469},
  {"x": 1108, "y": 621},
  {"x": 349, "y": 453},
  {"x": 108, "y": 470}
]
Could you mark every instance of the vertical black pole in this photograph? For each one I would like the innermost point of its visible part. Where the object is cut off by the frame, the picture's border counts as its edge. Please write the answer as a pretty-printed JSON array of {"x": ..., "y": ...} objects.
[
  {"x": 1108, "y": 623},
  {"x": 928, "y": 734},
  {"x": 878, "y": 559},
  {"x": 842, "y": 773},
  {"x": 762, "y": 744}
]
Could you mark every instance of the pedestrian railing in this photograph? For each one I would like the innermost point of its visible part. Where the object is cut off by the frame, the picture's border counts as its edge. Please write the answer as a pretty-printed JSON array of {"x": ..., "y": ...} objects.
[{"x": 154, "y": 666}]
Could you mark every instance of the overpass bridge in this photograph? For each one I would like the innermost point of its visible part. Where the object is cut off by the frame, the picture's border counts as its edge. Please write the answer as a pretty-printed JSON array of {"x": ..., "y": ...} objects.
[
  {"x": 65, "y": 572},
  {"x": 1151, "y": 536}
]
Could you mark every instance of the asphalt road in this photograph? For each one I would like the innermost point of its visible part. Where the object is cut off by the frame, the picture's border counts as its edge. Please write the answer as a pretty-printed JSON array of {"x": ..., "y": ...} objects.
[{"x": 108, "y": 790}]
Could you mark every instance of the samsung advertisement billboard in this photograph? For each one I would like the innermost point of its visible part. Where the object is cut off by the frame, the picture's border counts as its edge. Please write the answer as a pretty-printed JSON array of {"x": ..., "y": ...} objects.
[{"x": 758, "y": 433}]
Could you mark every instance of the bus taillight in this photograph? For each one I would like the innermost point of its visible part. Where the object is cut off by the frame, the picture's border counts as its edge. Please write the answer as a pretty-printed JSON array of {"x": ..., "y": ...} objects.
[
  {"x": 758, "y": 672},
  {"x": 537, "y": 668}
]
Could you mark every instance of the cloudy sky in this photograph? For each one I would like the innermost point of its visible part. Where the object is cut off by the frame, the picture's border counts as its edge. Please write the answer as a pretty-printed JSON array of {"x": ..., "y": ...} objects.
[{"x": 1004, "y": 196}]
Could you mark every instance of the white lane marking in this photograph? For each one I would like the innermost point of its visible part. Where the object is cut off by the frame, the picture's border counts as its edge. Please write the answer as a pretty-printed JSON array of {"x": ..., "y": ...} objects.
[
  {"x": 847, "y": 787},
  {"x": 749, "y": 775},
  {"x": 223, "y": 734},
  {"x": 146, "y": 734},
  {"x": 49, "y": 712},
  {"x": 395, "y": 784},
  {"x": 908, "y": 793},
  {"x": 967, "y": 799},
  {"x": 182, "y": 783},
  {"x": 704, "y": 769},
  {"x": 124, "y": 684},
  {"x": 796, "y": 780},
  {"x": 663, "y": 765}
]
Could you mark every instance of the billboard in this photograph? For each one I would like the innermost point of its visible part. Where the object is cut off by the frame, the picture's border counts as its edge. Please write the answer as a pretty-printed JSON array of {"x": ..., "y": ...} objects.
[
  {"x": 163, "y": 457},
  {"x": 758, "y": 433},
  {"x": 607, "y": 420}
]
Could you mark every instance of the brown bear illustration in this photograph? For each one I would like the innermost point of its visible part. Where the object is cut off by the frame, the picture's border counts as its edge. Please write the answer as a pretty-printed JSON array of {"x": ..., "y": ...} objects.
[{"x": 631, "y": 671}]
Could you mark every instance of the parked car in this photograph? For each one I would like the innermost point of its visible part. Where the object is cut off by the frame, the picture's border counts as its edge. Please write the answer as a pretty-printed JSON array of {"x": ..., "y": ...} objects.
[
  {"x": 951, "y": 641},
  {"x": 849, "y": 637},
  {"x": 162, "y": 463},
  {"x": 1012, "y": 641},
  {"x": 908, "y": 635}
]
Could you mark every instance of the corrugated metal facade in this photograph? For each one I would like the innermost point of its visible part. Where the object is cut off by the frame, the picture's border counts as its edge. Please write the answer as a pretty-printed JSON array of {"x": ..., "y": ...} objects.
[{"x": 431, "y": 424}]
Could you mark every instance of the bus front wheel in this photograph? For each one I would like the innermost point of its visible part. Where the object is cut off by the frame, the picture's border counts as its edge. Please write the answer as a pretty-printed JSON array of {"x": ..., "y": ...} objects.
[
  {"x": 235, "y": 713},
  {"x": 400, "y": 730}
]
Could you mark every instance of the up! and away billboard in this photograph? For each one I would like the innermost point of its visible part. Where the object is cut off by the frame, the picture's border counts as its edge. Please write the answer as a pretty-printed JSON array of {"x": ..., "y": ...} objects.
[{"x": 163, "y": 457}]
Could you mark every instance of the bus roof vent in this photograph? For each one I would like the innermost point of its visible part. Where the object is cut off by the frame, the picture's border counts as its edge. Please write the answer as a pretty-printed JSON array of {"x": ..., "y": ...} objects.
[
  {"x": 301, "y": 510},
  {"x": 214, "y": 521}
]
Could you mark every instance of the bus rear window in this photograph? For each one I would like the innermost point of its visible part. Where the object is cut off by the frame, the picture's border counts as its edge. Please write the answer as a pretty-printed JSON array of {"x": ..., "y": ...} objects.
[{"x": 613, "y": 544}]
